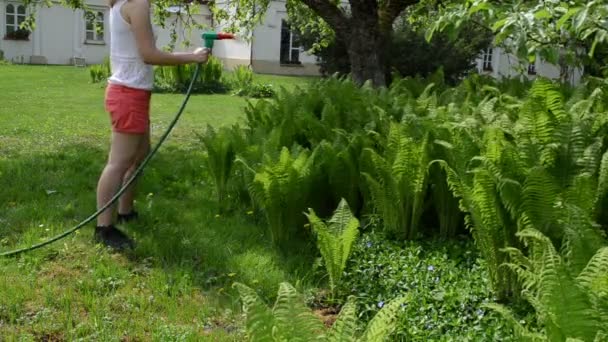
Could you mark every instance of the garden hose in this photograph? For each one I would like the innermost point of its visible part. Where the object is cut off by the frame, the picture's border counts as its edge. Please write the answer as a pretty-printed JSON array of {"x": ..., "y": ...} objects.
[{"x": 125, "y": 186}]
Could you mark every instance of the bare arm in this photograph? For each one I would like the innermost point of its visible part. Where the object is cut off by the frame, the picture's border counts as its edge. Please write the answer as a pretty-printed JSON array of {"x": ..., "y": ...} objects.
[{"x": 138, "y": 13}]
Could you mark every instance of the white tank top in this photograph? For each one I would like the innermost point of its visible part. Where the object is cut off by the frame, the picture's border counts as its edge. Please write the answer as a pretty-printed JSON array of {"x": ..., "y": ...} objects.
[{"x": 128, "y": 68}]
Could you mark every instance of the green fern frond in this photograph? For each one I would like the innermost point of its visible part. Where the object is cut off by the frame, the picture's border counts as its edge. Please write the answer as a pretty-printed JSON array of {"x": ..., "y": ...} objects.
[
  {"x": 294, "y": 321},
  {"x": 581, "y": 237},
  {"x": 398, "y": 181},
  {"x": 550, "y": 94},
  {"x": 539, "y": 196},
  {"x": 563, "y": 306},
  {"x": 222, "y": 147},
  {"x": 489, "y": 229},
  {"x": 582, "y": 192},
  {"x": 572, "y": 141},
  {"x": 383, "y": 323},
  {"x": 591, "y": 159},
  {"x": 521, "y": 332},
  {"x": 281, "y": 188},
  {"x": 345, "y": 328},
  {"x": 344, "y": 170},
  {"x": 346, "y": 227},
  {"x": 522, "y": 266},
  {"x": 601, "y": 336},
  {"x": 602, "y": 187},
  {"x": 259, "y": 319},
  {"x": 335, "y": 240},
  {"x": 596, "y": 270}
]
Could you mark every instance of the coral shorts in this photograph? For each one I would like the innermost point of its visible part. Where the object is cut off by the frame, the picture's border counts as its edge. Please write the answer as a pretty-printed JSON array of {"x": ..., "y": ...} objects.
[{"x": 129, "y": 109}]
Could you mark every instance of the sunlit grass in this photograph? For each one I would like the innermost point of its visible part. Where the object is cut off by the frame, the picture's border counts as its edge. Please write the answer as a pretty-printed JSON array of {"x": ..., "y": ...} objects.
[{"x": 54, "y": 138}]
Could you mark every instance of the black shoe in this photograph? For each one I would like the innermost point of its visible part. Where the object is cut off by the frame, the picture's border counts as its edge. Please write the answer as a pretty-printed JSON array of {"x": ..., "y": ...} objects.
[
  {"x": 113, "y": 238},
  {"x": 124, "y": 218}
]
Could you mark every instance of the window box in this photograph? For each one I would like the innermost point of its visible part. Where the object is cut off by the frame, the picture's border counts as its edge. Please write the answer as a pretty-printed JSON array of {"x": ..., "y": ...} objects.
[
  {"x": 292, "y": 64},
  {"x": 94, "y": 42},
  {"x": 19, "y": 34}
]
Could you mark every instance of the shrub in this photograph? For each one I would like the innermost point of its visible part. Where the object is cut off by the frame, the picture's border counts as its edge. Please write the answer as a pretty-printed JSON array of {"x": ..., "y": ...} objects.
[
  {"x": 177, "y": 78},
  {"x": 243, "y": 84},
  {"x": 100, "y": 72},
  {"x": 242, "y": 78}
]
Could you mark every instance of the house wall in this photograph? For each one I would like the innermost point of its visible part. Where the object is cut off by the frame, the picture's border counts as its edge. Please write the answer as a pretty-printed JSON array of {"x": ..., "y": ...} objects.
[
  {"x": 60, "y": 36},
  {"x": 18, "y": 51},
  {"x": 506, "y": 65},
  {"x": 263, "y": 52}
]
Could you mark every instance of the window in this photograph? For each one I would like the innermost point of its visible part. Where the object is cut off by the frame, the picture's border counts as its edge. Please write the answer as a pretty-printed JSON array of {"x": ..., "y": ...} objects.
[
  {"x": 532, "y": 69},
  {"x": 487, "y": 60},
  {"x": 94, "y": 26},
  {"x": 15, "y": 15},
  {"x": 290, "y": 45}
]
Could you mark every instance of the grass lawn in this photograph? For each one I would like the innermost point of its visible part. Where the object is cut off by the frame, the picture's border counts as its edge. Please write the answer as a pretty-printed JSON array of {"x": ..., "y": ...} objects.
[{"x": 54, "y": 138}]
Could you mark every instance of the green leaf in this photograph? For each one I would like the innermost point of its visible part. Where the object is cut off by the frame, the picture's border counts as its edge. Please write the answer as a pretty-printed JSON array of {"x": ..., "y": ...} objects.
[
  {"x": 543, "y": 14},
  {"x": 571, "y": 12}
]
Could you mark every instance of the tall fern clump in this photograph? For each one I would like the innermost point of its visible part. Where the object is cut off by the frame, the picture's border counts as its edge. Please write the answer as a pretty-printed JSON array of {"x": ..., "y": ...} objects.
[
  {"x": 222, "y": 147},
  {"x": 529, "y": 165},
  {"x": 340, "y": 163},
  {"x": 281, "y": 188},
  {"x": 290, "y": 320},
  {"x": 398, "y": 182},
  {"x": 570, "y": 304},
  {"x": 335, "y": 240}
]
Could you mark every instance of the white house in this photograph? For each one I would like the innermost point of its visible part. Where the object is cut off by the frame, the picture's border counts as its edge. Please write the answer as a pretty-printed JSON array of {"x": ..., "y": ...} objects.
[
  {"x": 65, "y": 36},
  {"x": 273, "y": 49},
  {"x": 500, "y": 64}
]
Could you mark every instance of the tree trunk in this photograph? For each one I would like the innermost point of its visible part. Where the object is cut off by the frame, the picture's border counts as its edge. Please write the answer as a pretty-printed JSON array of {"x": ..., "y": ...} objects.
[
  {"x": 367, "y": 60},
  {"x": 366, "y": 34},
  {"x": 367, "y": 46}
]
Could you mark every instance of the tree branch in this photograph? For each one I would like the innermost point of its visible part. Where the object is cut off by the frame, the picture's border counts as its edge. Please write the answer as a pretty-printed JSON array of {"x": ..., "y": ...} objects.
[
  {"x": 391, "y": 10},
  {"x": 331, "y": 14}
]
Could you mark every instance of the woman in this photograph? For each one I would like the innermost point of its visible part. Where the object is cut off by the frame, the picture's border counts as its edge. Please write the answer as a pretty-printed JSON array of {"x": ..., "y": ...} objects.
[{"x": 133, "y": 53}]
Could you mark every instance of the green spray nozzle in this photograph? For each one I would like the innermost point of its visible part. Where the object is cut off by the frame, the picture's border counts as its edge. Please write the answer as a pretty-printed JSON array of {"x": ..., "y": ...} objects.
[{"x": 211, "y": 37}]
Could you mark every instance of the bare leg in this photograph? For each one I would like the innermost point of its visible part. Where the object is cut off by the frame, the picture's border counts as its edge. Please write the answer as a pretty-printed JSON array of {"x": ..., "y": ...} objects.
[
  {"x": 125, "y": 202},
  {"x": 122, "y": 154}
]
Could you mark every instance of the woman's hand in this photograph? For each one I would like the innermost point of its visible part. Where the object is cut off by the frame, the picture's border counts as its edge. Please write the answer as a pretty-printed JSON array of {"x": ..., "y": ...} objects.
[{"x": 201, "y": 55}]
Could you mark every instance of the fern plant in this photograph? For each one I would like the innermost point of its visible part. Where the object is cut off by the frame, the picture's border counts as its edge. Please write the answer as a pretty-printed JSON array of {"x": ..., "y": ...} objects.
[
  {"x": 335, "y": 240},
  {"x": 290, "y": 320},
  {"x": 398, "y": 182},
  {"x": 222, "y": 146},
  {"x": 568, "y": 303},
  {"x": 281, "y": 188}
]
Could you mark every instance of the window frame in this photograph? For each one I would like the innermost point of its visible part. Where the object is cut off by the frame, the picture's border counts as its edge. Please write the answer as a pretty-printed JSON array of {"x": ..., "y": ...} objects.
[
  {"x": 532, "y": 69},
  {"x": 12, "y": 31},
  {"x": 99, "y": 36},
  {"x": 291, "y": 48},
  {"x": 487, "y": 60}
]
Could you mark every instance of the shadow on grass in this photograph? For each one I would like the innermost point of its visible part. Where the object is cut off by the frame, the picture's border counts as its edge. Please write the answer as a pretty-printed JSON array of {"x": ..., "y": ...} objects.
[{"x": 179, "y": 230}]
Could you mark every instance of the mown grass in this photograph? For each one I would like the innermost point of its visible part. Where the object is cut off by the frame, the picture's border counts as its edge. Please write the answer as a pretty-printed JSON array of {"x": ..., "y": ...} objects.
[{"x": 54, "y": 138}]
